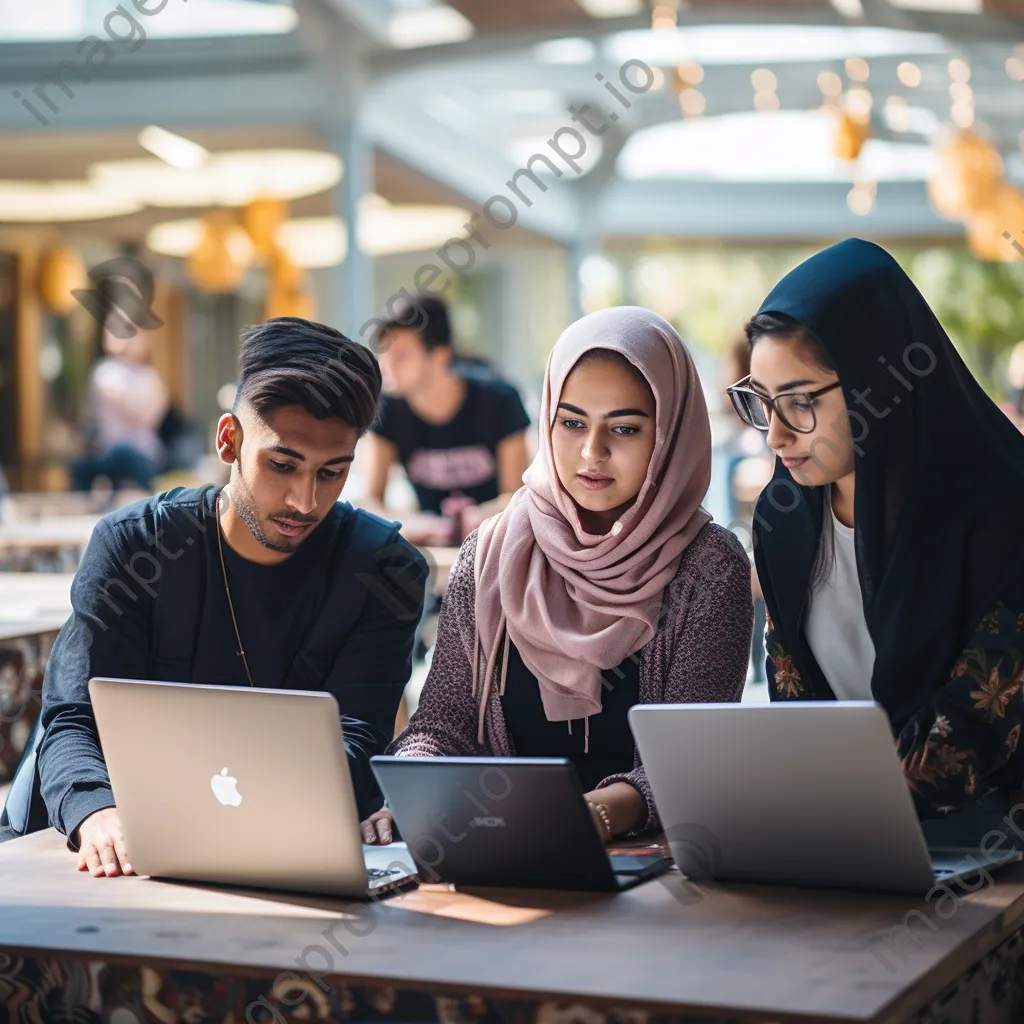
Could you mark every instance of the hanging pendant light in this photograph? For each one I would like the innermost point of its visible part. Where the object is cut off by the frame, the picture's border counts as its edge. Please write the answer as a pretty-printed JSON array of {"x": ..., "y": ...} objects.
[
  {"x": 261, "y": 219},
  {"x": 289, "y": 290},
  {"x": 219, "y": 261},
  {"x": 970, "y": 174},
  {"x": 851, "y": 134},
  {"x": 992, "y": 230},
  {"x": 61, "y": 273}
]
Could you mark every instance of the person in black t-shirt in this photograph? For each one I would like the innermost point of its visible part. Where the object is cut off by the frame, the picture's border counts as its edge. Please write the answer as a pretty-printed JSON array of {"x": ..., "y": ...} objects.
[{"x": 459, "y": 436}]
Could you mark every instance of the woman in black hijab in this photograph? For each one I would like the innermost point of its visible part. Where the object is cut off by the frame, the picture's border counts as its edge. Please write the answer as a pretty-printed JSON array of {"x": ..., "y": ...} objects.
[{"x": 890, "y": 542}]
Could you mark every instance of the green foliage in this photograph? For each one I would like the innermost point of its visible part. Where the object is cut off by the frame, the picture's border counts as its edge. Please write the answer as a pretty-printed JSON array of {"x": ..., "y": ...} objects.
[
  {"x": 981, "y": 306},
  {"x": 709, "y": 291}
]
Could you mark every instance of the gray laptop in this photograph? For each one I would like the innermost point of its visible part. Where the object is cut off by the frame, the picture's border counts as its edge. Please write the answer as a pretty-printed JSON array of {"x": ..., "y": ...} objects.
[
  {"x": 798, "y": 793},
  {"x": 238, "y": 787}
]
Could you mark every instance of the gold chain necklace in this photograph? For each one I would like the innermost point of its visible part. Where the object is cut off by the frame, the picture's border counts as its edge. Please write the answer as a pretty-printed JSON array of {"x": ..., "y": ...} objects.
[{"x": 227, "y": 590}]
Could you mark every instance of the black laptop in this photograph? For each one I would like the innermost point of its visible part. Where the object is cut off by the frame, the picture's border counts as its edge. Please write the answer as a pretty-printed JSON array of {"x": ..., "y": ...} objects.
[{"x": 518, "y": 822}]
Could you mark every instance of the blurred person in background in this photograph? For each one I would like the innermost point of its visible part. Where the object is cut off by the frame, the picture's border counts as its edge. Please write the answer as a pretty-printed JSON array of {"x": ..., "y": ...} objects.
[
  {"x": 889, "y": 542},
  {"x": 460, "y": 436},
  {"x": 1013, "y": 414},
  {"x": 126, "y": 405},
  {"x": 603, "y": 583},
  {"x": 1014, "y": 407}
]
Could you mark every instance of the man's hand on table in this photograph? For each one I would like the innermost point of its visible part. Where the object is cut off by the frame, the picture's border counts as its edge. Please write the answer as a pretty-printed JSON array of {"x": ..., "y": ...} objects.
[{"x": 101, "y": 845}]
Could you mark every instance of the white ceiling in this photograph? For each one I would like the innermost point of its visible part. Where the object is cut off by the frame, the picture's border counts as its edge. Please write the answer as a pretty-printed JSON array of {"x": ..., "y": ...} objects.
[{"x": 468, "y": 114}]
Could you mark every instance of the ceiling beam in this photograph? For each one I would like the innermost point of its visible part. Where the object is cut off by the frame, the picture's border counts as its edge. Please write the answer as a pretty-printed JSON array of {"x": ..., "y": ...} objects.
[
  {"x": 488, "y": 16},
  {"x": 1004, "y": 8},
  {"x": 761, "y": 3},
  {"x": 491, "y": 43},
  {"x": 461, "y": 165},
  {"x": 763, "y": 212}
]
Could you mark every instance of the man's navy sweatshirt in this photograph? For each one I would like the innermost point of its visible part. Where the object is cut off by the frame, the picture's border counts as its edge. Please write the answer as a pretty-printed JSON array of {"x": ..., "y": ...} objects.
[{"x": 330, "y": 617}]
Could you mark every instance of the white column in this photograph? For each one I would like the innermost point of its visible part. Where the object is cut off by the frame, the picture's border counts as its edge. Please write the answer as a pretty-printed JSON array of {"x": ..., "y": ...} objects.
[
  {"x": 578, "y": 251},
  {"x": 352, "y": 292}
]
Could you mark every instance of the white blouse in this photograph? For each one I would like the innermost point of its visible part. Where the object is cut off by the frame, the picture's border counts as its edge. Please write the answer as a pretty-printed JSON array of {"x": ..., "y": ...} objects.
[{"x": 836, "y": 630}]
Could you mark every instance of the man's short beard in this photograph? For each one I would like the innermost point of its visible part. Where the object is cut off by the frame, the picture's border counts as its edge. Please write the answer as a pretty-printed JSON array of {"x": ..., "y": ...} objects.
[{"x": 245, "y": 509}]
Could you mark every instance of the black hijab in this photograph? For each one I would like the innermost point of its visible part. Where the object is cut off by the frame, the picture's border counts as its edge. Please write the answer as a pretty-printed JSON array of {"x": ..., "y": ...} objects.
[{"x": 939, "y": 501}]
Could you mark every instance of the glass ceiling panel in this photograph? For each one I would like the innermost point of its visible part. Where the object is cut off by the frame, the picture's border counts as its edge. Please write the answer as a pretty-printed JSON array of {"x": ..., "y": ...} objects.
[
  {"x": 786, "y": 146},
  {"x": 408, "y": 24},
  {"x": 767, "y": 44},
  {"x": 73, "y": 20}
]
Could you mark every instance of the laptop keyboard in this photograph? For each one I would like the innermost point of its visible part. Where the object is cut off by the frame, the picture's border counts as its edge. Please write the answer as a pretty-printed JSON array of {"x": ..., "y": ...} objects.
[{"x": 375, "y": 874}]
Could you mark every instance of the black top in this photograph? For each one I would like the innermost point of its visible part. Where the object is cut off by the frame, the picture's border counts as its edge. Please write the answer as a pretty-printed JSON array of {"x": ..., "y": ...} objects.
[
  {"x": 611, "y": 748},
  {"x": 149, "y": 603},
  {"x": 940, "y": 480},
  {"x": 275, "y": 606},
  {"x": 460, "y": 456}
]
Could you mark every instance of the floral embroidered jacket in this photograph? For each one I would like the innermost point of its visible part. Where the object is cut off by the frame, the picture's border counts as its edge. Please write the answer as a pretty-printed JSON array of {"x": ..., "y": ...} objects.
[{"x": 963, "y": 742}]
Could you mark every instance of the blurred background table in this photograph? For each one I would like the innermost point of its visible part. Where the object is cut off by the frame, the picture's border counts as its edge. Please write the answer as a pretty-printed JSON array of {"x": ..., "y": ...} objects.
[
  {"x": 440, "y": 560},
  {"x": 27, "y": 506},
  {"x": 33, "y": 607},
  {"x": 51, "y": 544}
]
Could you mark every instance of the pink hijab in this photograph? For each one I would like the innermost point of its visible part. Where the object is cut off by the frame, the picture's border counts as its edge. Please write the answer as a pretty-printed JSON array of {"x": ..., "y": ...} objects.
[{"x": 575, "y": 604}]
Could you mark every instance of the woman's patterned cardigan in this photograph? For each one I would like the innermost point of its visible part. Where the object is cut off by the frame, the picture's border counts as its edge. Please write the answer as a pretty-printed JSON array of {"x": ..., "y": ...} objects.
[{"x": 699, "y": 654}]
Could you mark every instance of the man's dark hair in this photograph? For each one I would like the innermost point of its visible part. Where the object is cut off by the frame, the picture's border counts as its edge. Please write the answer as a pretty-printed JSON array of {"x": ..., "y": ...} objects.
[
  {"x": 290, "y": 361},
  {"x": 427, "y": 315}
]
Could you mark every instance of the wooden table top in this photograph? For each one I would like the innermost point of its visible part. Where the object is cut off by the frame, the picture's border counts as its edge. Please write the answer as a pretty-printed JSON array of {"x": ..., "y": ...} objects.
[
  {"x": 33, "y": 603},
  {"x": 24, "y": 506},
  {"x": 772, "y": 953}
]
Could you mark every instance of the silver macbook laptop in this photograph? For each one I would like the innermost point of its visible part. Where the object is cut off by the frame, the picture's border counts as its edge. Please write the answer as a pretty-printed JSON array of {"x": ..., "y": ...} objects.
[
  {"x": 238, "y": 787},
  {"x": 793, "y": 793}
]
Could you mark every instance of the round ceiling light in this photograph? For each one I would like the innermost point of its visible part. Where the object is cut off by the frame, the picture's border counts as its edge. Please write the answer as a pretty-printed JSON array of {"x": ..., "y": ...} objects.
[
  {"x": 692, "y": 102},
  {"x": 690, "y": 73},
  {"x": 909, "y": 74},
  {"x": 226, "y": 179},
  {"x": 385, "y": 229},
  {"x": 32, "y": 202},
  {"x": 313, "y": 242},
  {"x": 830, "y": 84}
]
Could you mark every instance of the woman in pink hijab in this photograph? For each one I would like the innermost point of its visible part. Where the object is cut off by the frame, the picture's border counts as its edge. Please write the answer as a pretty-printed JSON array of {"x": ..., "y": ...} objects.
[{"x": 603, "y": 584}]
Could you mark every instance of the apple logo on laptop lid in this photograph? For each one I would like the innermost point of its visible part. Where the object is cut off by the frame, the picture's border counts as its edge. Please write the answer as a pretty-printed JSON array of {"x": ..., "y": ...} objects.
[{"x": 225, "y": 789}]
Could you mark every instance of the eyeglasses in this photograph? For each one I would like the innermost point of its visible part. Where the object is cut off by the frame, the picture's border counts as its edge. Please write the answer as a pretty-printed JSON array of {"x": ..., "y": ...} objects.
[{"x": 795, "y": 409}]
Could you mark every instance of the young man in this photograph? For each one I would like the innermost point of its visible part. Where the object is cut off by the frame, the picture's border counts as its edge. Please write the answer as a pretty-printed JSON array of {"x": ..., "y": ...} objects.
[
  {"x": 269, "y": 582},
  {"x": 458, "y": 436}
]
